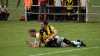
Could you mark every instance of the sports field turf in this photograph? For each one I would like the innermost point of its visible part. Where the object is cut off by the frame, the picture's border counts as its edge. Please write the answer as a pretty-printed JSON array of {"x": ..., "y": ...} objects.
[{"x": 13, "y": 35}]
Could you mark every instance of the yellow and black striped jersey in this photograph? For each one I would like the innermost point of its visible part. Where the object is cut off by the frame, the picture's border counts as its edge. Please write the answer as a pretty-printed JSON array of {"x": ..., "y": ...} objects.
[
  {"x": 69, "y": 4},
  {"x": 46, "y": 32}
]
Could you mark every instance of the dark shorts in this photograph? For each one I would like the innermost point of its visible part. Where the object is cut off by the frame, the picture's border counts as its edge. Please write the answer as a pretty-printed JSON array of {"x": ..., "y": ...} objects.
[
  {"x": 4, "y": 16},
  {"x": 83, "y": 10},
  {"x": 82, "y": 14},
  {"x": 58, "y": 9},
  {"x": 52, "y": 43}
]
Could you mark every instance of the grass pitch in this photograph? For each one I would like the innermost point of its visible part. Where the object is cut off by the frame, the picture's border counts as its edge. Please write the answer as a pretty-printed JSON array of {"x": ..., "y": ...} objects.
[{"x": 13, "y": 35}]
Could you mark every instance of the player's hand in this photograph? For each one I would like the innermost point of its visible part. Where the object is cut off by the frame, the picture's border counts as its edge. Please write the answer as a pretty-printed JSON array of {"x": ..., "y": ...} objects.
[
  {"x": 35, "y": 46},
  {"x": 47, "y": 40}
]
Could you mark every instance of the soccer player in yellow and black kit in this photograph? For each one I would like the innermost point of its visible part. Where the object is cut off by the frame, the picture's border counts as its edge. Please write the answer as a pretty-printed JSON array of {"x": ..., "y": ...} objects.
[
  {"x": 48, "y": 32},
  {"x": 44, "y": 36},
  {"x": 49, "y": 36},
  {"x": 71, "y": 9}
]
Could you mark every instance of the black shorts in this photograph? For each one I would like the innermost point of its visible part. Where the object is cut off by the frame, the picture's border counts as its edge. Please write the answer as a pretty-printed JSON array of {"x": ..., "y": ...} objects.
[
  {"x": 52, "y": 43},
  {"x": 58, "y": 9}
]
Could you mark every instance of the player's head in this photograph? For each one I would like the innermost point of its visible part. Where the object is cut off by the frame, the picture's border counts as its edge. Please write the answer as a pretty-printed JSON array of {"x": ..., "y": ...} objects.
[
  {"x": 42, "y": 25},
  {"x": 32, "y": 32},
  {"x": 45, "y": 23}
]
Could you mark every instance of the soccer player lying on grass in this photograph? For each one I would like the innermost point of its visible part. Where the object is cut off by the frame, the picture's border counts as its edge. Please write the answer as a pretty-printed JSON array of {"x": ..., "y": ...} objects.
[
  {"x": 63, "y": 42},
  {"x": 34, "y": 39}
]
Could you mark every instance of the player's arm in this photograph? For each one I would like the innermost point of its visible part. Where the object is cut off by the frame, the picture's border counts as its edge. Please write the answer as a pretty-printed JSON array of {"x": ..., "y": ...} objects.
[
  {"x": 33, "y": 42},
  {"x": 52, "y": 35},
  {"x": 62, "y": 2},
  {"x": 18, "y": 3},
  {"x": 29, "y": 42},
  {"x": 36, "y": 43},
  {"x": 54, "y": 32}
]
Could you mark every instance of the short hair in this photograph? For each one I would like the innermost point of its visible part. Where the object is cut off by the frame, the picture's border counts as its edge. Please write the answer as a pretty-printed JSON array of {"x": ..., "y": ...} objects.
[
  {"x": 32, "y": 30},
  {"x": 45, "y": 22}
]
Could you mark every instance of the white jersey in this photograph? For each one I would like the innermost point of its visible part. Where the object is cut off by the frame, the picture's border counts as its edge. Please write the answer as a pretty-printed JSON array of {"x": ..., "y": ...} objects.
[
  {"x": 57, "y": 2},
  {"x": 83, "y": 3},
  {"x": 36, "y": 40}
]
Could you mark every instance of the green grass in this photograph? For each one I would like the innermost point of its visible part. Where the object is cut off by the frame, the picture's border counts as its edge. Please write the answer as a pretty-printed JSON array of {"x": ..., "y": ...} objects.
[{"x": 13, "y": 35}]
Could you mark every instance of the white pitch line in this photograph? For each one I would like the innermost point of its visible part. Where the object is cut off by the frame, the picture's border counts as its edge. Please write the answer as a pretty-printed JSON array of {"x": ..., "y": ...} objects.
[{"x": 41, "y": 54}]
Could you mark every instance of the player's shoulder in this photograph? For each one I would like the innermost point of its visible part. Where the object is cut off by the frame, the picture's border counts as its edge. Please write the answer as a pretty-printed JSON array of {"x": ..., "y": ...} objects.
[
  {"x": 37, "y": 35},
  {"x": 52, "y": 27}
]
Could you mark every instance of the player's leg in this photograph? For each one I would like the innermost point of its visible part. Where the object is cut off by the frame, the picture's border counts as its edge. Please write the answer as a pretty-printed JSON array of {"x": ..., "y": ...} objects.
[
  {"x": 78, "y": 43},
  {"x": 1, "y": 2},
  {"x": 68, "y": 42},
  {"x": 45, "y": 13},
  {"x": 62, "y": 42},
  {"x": 6, "y": 3},
  {"x": 33, "y": 44},
  {"x": 29, "y": 43},
  {"x": 40, "y": 11},
  {"x": 51, "y": 43},
  {"x": 83, "y": 44},
  {"x": 82, "y": 14}
]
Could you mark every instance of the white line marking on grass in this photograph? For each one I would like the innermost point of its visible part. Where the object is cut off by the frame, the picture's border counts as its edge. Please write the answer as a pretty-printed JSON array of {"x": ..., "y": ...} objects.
[{"x": 41, "y": 54}]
